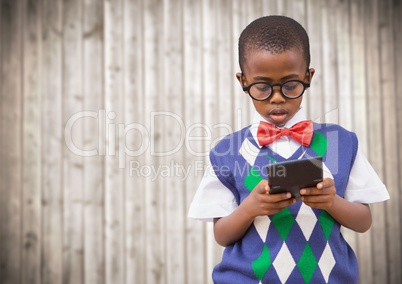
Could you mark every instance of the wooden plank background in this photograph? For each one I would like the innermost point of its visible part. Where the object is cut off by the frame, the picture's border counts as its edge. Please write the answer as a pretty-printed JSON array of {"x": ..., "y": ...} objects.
[{"x": 109, "y": 108}]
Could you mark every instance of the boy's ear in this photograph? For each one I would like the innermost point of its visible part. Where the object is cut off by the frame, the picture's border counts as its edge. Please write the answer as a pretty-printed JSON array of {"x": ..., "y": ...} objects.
[
  {"x": 310, "y": 74},
  {"x": 239, "y": 77}
]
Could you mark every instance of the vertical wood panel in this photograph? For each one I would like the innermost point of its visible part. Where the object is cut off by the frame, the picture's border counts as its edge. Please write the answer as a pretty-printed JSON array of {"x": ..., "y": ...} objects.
[
  {"x": 329, "y": 64},
  {"x": 31, "y": 196},
  {"x": 314, "y": 100},
  {"x": 297, "y": 10},
  {"x": 397, "y": 24},
  {"x": 241, "y": 104},
  {"x": 136, "y": 142},
  {"x": 94, "y": 139},
  {"x": 388, "y": 97},
  {"x": 52, "y": 214},
  {"x": 225, "y": 75},
  {"x": 196, "y": 152},
  {"x": 255, "y": 10},
  {"x": 282, "y": 7},
  {"x": 11, "y": 155},
  {"x": 359, "y": 67},
  {"x": 343, "y": 47},
  {"x": 73, "y": 198},
  {"x": 114, "y": 183},
  {"x": 270, "y": 7},
  {"x": 173, "y": 184},
  {"x": 154, "y": 195}
]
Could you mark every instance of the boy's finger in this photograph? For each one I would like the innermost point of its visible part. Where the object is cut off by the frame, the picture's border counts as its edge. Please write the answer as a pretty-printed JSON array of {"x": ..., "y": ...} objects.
[
  {"x": 279, "y": 197},
  {"x": 311, "y": 191},
  {"x": 262, "y": 187},
  {"x": 325, "y": 183}
]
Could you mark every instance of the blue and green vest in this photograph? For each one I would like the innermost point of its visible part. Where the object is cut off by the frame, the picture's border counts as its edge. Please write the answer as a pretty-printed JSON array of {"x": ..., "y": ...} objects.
[{"x": 299, "y": 244}]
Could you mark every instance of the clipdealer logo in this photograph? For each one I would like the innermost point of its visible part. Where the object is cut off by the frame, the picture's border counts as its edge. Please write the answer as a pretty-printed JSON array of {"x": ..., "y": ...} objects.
[
  {"x": 129, "y": 141},
  {"x": 113, "y": 138}
]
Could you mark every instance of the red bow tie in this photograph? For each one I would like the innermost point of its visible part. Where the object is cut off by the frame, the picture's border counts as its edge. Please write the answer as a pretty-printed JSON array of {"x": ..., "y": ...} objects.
[{"x": 301, "y": 132}]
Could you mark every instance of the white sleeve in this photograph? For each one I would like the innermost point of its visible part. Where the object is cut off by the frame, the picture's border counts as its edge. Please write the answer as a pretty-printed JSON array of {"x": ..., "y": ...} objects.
[
  {"x": 212, "y": 199},
  {"x": 364, "y": 185}
]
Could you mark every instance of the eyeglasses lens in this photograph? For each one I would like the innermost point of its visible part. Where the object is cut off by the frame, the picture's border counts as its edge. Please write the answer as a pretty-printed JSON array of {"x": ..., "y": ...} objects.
[{"x": 292, "y": 89}]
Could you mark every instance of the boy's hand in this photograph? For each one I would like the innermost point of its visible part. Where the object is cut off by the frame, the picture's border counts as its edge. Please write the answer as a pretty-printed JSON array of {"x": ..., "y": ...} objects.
[
  {"x": 260, "y": 202},
  {"x": 320, "y": 197}
]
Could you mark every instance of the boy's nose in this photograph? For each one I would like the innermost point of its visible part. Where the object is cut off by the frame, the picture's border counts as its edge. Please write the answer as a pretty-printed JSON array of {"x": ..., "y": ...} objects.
[{"x": 276, "y": 96}]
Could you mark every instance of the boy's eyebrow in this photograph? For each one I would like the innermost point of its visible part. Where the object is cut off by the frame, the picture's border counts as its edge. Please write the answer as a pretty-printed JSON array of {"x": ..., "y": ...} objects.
[{"x": 262, "y": 78}]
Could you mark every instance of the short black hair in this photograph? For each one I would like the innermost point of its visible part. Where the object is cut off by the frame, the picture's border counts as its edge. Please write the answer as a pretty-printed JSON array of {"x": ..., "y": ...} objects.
[{"x": 275, "y": 34}]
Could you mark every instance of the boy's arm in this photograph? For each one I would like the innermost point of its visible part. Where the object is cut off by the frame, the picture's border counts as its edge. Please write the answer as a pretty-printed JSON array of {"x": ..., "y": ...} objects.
[
  {"x": 355, "y": 216},
  {"x": 229, "y": 229}
]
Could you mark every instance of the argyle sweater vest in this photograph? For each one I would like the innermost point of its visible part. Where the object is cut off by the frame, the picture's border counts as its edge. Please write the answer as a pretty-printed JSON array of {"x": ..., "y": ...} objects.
[{"x": 299, "y": 244}]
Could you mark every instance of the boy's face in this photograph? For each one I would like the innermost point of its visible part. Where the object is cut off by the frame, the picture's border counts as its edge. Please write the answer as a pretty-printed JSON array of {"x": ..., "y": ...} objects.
[{"x": 263, "y": 66}]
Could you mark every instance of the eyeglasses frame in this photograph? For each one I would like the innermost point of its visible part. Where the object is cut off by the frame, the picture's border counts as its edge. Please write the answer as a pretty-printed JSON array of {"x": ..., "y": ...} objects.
[{"x": 247, "y": 88}]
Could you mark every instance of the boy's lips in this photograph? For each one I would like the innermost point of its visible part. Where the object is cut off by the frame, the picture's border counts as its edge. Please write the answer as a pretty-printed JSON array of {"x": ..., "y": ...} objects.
[{"x": 278, "y": 115}]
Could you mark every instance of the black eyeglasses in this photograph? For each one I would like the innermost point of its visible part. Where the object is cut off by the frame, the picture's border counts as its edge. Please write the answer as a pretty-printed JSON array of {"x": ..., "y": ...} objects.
[{"x": 261, "y": 91}]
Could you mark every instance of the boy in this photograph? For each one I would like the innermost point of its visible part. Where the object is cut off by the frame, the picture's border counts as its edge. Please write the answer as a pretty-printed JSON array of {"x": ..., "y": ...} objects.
[{"x": 273, "y": 238}]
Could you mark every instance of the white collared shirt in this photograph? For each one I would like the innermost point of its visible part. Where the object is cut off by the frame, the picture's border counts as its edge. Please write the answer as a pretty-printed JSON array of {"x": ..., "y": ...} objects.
[{"x": 215, "y": 200}]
